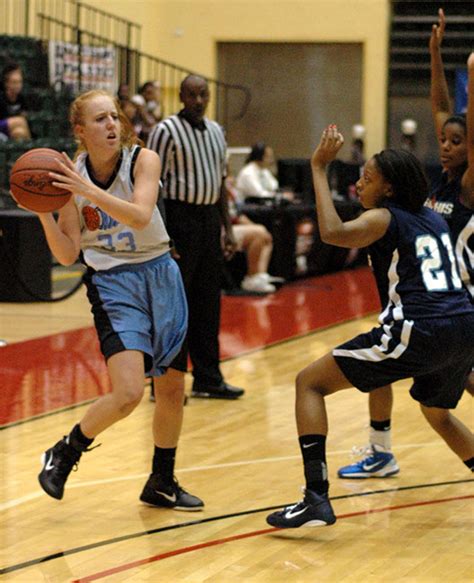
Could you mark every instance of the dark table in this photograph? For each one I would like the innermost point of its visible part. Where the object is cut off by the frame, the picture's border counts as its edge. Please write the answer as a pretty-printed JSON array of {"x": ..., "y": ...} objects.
[
  {"x": 25, "y": 258},
  {"x": 297, "y": 246}
]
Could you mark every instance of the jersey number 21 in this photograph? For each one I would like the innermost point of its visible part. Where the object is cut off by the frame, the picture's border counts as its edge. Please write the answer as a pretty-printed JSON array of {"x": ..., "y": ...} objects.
[{"x": 433, "y": 271}]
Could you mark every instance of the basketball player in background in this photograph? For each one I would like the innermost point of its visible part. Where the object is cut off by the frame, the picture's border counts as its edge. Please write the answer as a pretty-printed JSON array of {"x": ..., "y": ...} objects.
[
  {"x": 425, "y": 330},
  {"x": 453, "y": 199},
  {"x": 133, "y": 285}
]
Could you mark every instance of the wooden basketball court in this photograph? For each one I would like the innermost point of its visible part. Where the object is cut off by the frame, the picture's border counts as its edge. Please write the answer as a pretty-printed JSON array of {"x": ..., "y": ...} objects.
[{"x": 241, "y": 457}]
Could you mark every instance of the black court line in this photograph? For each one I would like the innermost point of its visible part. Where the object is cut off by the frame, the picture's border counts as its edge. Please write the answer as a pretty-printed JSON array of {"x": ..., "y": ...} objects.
[
  {"x": 228, "y": 359},
  {"x": 143, "y": 533},
  {"x": 48, "y": 413}
]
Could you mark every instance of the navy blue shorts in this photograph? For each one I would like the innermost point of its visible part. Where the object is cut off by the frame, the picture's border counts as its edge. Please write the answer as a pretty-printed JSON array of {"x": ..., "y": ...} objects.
[
  {"x": 140, "y": 306},
  {"x": 437, "y": 353}
]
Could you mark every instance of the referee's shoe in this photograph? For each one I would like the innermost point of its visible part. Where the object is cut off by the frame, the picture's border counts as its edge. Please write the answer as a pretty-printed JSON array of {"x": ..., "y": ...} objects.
[{"x": 222, "y": 391}]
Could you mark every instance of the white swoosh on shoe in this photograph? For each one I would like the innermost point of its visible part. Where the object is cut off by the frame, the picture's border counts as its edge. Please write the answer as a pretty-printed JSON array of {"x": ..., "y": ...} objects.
[
  {"x": 291, "y": 514},
  {"x": 48, "y": 466},
  {"x": 172, "y": 498},
  {"x": 368, "y": 467}
]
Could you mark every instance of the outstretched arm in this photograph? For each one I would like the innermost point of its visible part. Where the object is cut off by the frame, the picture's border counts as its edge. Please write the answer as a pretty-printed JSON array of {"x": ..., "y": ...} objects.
[
  {"x": 367, "y": 228},
  {"x": 440, "y": 104},
  {"x": 468, "y": 178}
]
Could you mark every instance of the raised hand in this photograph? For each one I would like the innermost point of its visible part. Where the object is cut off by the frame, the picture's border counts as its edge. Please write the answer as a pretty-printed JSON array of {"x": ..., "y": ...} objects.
[
  {"x": 330, "y": 144},
  {"x": 437, "y": 31}
]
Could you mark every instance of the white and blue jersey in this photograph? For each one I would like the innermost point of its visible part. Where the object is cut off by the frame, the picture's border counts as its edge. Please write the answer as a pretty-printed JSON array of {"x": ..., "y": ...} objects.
[
  {"x": 105, "y": 242},
  {"x": 428, "y": 318},
  {"x": 134, "y": 286}
]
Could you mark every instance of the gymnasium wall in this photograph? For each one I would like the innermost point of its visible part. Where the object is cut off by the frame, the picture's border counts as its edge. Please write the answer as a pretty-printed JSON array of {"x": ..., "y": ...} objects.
[{"x": 187, "y": 32}]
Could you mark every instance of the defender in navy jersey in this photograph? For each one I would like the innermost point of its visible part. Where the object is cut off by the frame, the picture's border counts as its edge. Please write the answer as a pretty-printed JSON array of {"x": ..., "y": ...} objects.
[
  {"x": 134, "y": 287},
  {"x": 425, "y": 329},
  {"x": 456, "y": 205},
  {"x": 453, "y": 199}
]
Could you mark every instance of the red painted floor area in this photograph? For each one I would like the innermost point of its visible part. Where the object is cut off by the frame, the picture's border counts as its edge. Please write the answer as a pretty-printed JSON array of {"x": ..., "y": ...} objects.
[
  {"x": 298, "y": 308},
  {"x": 41, "y": 375}
]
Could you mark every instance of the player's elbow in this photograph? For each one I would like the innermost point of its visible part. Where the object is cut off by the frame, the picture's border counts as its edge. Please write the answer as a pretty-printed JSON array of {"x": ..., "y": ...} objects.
[
  {"x": 139, "y": 223},
  {"x": 332, "y": 237},
  {"x": 67, "y": 259}
]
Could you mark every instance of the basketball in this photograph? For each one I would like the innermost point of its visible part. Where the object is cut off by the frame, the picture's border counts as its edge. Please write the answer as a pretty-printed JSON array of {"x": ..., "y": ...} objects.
[{"x": 31, "y": 184}]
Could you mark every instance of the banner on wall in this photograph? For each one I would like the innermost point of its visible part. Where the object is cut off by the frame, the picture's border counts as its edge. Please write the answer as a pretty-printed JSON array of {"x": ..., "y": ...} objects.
[
  {"x": 461, "y": 91},
  {"x": 93, "y": 68}
]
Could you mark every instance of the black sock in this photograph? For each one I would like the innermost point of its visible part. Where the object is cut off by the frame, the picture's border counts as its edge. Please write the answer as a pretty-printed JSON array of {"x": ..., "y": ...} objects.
[
  {"x": 380, "y": 425},
  {"x": 78, "y": 440},
  {"x": 313, "y": 450},
  {"x": 470, "y": 463},
  {"x": 163, "y": 462}
]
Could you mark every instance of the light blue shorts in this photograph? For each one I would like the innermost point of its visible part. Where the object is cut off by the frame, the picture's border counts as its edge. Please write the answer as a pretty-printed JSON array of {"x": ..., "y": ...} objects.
[{"x": 141, "y": 307}]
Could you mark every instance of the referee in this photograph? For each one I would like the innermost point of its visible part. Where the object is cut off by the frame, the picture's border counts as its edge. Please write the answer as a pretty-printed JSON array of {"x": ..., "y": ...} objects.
[{"x": 192, "y": 150}]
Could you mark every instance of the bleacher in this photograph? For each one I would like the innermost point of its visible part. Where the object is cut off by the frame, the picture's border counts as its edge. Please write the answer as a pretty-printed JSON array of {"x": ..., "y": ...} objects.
[
  {"x": 410, "y": 32},
  {"x": 48, "y": 108}
]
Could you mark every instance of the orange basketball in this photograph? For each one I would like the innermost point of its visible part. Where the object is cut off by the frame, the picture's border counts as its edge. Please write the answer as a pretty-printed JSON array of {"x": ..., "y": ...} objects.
[{"x": 31, "y": 184}]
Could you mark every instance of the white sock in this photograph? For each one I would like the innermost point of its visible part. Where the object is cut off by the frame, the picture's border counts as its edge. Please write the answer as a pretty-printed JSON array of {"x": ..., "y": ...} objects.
[{"x": 381, "y": 438}]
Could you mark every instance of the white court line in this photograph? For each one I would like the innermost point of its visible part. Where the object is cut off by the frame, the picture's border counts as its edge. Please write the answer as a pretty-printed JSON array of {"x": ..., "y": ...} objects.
[{"x": 128, "y": 478}]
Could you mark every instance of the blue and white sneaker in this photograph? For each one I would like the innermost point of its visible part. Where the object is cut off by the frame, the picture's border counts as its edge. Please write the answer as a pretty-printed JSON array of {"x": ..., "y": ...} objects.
[{"x": 378, "y": 463}]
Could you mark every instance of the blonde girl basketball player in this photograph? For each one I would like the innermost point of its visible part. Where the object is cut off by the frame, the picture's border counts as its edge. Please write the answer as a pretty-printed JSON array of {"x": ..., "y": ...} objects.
[{"x": 133, "y": 285}]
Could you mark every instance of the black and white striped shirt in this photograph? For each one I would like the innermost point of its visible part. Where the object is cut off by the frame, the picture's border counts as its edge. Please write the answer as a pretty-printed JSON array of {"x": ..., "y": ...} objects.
[{"x": 193, "y": 160}]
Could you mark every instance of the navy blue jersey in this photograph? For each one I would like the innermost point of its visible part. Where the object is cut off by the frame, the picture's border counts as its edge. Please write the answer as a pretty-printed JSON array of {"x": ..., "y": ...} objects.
[
  {"x": 444, "y": 196},
  {"x": 445, "y": 200},
  {"x": 415, "y": 268}
]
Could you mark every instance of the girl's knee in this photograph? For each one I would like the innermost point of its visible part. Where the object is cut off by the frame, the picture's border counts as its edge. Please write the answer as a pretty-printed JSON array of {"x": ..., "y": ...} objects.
[
  {"x": 261, "y": 233},
  {"x": 305, "y": 381},
  {"x": 267, "y": 236},
  {"x": 18, "y": 128},
  {"x": 129, "y": 398}
]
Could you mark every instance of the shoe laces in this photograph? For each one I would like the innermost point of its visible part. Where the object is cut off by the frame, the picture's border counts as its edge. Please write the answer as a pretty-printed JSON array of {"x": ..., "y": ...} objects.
[
  {"x": 70, "y": 456},
  {"x": 176, "y": 485},
  {"x": 67, "y": 458},
  {"x": 299, "y": 505},
  {"x": 172, "y": 487},
  {"x": 362, "y": 450},
  {"x": 367, "y": 453}
]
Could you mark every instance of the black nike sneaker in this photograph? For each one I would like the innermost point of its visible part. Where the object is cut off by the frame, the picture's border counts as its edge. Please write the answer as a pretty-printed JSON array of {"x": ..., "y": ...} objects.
[
  {"x": 222, "y": 391},
  {"x": 58, "y": 463},
  {"x": 313, "y": 510},
  {"x": 169, "y": 495}
]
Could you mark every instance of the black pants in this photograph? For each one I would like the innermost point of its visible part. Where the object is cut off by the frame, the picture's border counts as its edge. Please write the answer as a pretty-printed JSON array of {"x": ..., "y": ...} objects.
[{"x": 196, "y": 233}]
